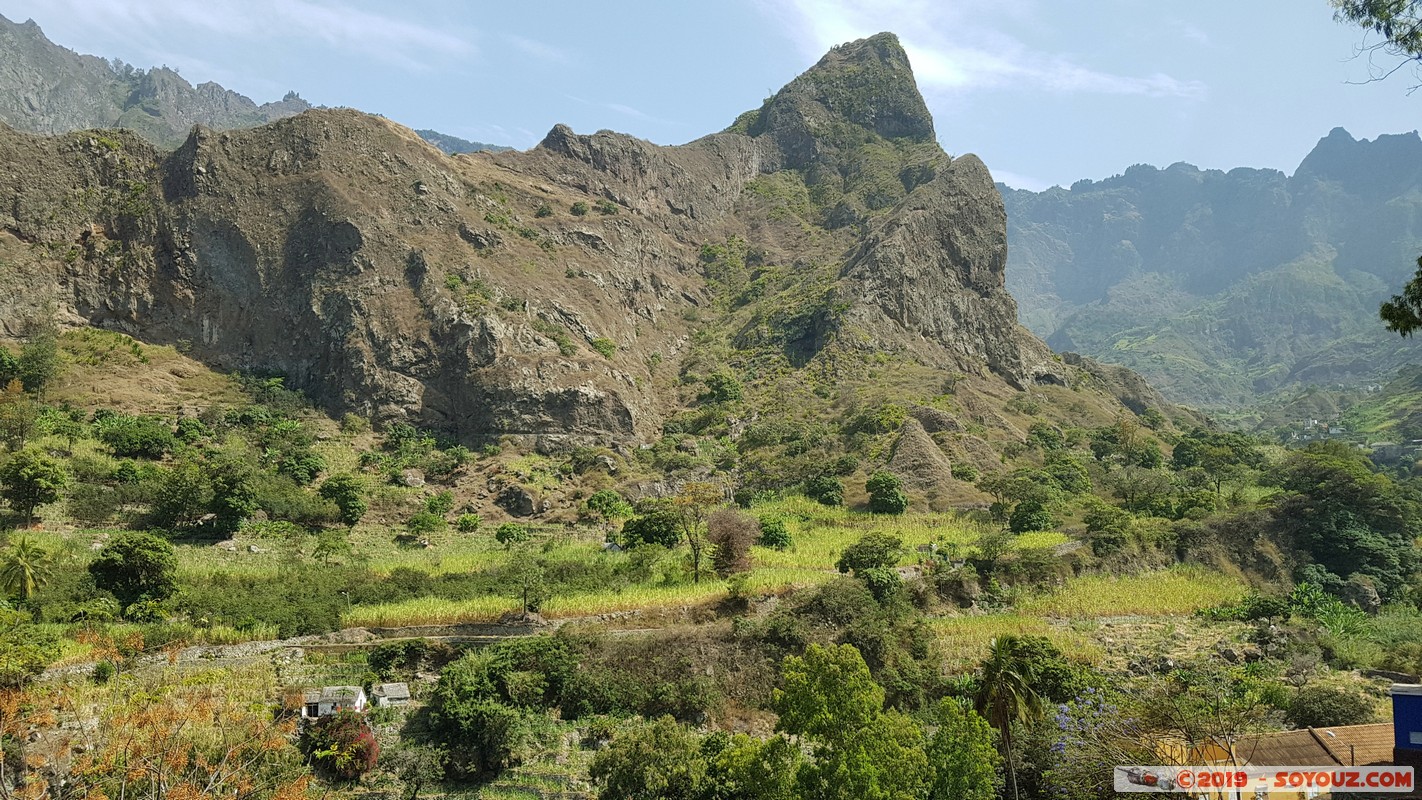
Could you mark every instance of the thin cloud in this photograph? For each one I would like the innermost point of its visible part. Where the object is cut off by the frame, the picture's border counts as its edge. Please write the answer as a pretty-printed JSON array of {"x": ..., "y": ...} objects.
[
  {"x": 952, "y": 48},
  {"x": 337, "y": 25},
  {"x": 539, "y": 50},
  {"x": 1016, "y": 181}
]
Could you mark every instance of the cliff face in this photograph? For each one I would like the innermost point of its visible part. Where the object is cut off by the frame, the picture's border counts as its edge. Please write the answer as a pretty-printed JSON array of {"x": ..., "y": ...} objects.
[
  {"x": 1221, "y": 287},
  {"x": 554, "y": 294},
  {"x": 46, "y": 88}
]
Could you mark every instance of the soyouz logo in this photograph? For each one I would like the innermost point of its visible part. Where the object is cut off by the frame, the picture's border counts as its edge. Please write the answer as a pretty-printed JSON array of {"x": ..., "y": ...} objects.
[{"x": 1209, "y": 780}]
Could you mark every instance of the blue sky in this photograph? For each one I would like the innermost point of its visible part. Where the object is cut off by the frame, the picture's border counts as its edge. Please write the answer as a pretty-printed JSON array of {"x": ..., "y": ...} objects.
[{"x": 1045, "y": 91}]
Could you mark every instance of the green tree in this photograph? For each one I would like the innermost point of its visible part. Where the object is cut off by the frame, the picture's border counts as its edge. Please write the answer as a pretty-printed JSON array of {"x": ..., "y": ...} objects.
[
  {"x": 38, "y": 363},
  {"x": 1007, "y": 695},
  {"x": 859, "y": 750},
  {"x": 872, "y": 551},
  {"x": 24, "y": 568},
  {"x": 886, "y": 493},
  {"x": 964, "y": 758},
  {"x": 825, "y": 490},
  {"x": 608, "y": 505},
  {"x": 342, "y": 745},
  {"x": 527, "y": 579},
  {"x": 348, "y": 493},
  {"x": 694, "y": 504},
  {"x": 417, "y": 765},
  {"x": 661, "y": 760},
  {"x": 1030, "y": 515},
  {"x": 722, "y": 387},
  {"x": 234, "y": 495},
  {"x": 331, "y": 542},
  {"x": 184, "y": 495},
  {"x": 510, "y": 534},
  {"x": 29, "y": 479},
  {"x": 657, "y": 523},
  {"x": 1328, "y": 706},
  {"x": 753, "y": 769},
  {"x": 18, "y": 415},
  {"x": 1399, "y": 22},
  {"x": 136, "y": 566}
]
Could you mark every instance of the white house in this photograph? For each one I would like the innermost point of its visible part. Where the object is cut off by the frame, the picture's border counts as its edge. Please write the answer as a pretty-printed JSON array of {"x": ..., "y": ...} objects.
[
  {"x": 391, "y": 694},
  {"x": 330, "y": 699}
]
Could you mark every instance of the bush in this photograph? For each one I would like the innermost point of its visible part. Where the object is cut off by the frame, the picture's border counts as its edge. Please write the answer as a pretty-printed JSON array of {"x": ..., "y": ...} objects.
[
  {"x": 103, "y": 672},
  {"x": 510, "y": 534},
  {"x": 440, "y": 503},
  {"x": 774, "y": 533},
  {"x": 722, "y": 387},
  {"x": 136, "y": 437},
  {"x": 872, "y": 551},
  {"x": 886, "y": 493},
  {"x": 658, "y": 525},
  {"x": 342, "y": 745},
  {"x": 826, "y": 491},
  {"x": 605, "y": 207},
  {"x": 1030, "y": 515},
  {"x": 967, "y": 473},
  {"x": 731, "y": 533},
  {"x": 136, "y": 566},
  {"x": 468, "y": 523},
  {"x": 544, "y": 210},
  {"x": 425, "y": 522},
  {"x": 604, "y": 346},
  {"x": 579, "y": 209},
  {"x": 1326, "y": 707}
]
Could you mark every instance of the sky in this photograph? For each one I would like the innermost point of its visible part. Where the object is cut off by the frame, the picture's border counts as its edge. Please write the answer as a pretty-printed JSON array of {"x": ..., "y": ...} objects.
[{"x": 1044, "y": 91}]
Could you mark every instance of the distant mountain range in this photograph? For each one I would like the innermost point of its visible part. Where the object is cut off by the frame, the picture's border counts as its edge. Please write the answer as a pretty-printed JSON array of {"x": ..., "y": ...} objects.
[
  {"x": 45, "y": 88},
  {"x": 1221, "y": 287}
]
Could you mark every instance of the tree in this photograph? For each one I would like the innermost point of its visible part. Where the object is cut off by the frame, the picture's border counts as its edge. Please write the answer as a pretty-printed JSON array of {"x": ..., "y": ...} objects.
[
  {"x": 658, "y": 761},
  {"x": 1031, "y": 515},
  {"x": 342, "y": 745},
  {"x": 417, "y": 765},
  {"x": 331, "y": 542},
  {"x": 693, "y": 505},
  {"x": 39, "y": 358},
  {"x": 859, "y": 750},
  {"x": 136, "y": 437},
  {"x": 510, "y": 534},
  {"x": 348, "y": 493},
  {"x": 184, "y": 496},
  {"x": 24, "y": 568},
  {"x": 963, "y": 755},
  {"x": 1007, "y": 695},
  {"x": 234, "y": 494},
  {"x": 1400, "y": 24},
  {"x": 136, "y": 566},
  {"x": 731, "y": 534},
  {"x": 774, "y": 533},
  {"x": 658, "y": 523},
  {"x": 886, "y": 493},
  {"x": 29, "y": 479},
  {"x": 872, "y": 551},
  {"x": 825, "y": 490},
  {"x": 608, "y": 505},
  {"x": 18, "y": 415},
  {"x": 528, "y": 580}
]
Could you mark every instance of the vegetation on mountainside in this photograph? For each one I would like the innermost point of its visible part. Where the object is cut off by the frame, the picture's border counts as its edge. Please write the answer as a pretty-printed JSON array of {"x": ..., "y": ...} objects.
[{"x": 250, "y": 516}]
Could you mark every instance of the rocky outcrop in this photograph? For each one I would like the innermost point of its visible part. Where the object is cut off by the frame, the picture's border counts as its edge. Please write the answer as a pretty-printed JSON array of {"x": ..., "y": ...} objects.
[
  {"x": 46, "y": 88},
  {"x": 466, "y": 294}
]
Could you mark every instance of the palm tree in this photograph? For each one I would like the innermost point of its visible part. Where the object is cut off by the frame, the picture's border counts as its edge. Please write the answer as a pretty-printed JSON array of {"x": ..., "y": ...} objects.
[
  {"x": 1007, "y": 694},
  {"x": 24, "y": 568}
]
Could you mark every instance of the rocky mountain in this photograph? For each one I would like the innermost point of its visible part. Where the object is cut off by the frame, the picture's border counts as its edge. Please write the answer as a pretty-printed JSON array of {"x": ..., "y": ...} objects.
[
  {"x": 453, "y": 145},
  {"x": 45, "y": 88},
  {"x": 823, "y": 252},
  {"x": 1220, "y": 287}
]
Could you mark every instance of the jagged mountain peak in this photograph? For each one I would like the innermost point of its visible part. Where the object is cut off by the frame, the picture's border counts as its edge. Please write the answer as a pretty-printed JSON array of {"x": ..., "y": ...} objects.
[{"x": 865, "y": 85}]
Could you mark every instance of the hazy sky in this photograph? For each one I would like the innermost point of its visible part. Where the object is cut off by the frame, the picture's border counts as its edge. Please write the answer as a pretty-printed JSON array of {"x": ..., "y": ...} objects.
[{"x": 1045, "y": 91}]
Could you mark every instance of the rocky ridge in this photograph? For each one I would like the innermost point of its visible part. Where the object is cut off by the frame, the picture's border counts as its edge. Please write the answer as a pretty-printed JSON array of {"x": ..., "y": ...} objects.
[{"x": 559, "y": 295}]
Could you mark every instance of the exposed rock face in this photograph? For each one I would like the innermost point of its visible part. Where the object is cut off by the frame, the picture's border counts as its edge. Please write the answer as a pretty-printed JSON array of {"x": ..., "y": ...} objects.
[
  {"x": 1220, "y": 287},
  {"x": 918, "y": 460},
  {"x": 46, "y": 88},
  {"x": 463, "y": 294}
]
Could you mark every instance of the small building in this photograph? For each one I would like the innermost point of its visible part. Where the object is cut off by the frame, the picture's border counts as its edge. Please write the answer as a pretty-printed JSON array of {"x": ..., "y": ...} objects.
[
  {"x": 328, "y": 700},
  {"x": 391, "y": 694}
]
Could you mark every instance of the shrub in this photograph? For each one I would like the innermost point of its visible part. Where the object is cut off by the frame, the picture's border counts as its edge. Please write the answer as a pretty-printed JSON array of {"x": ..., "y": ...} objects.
[
  {"x": 544, "y": 210},
  {"x": 967, "y": 473},
  {"x": 468, "y": 523},
  {"x": 103, "y": 672},
  {"x": 826, "y": 491},
  {"x": 604, "y": 346},
  {"x": 136, "y": 437},
  {"x": 346, "y": 491},
  {"x": 886, "y": 493},
  {"x": 136, "y": 566},
  {"x": 657, "y": 525},
  {"x": 425, "y": 522},
  {"x": 440, "y": 503},
  {"x": 774, "y": 533},
  {"x": 605, "y": 207},
  {"x": 342, "y": 745},
  {"x": 1326, "y": 706},
  {"x": 510, "y": 534},
  {"x": 579, "y": 209},
  {"x": 731, "y": 533},
  {"x": 722, "y": 387},
  {"x": 1030, "y": 515},
  {"x": 872, "y": 551}
]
